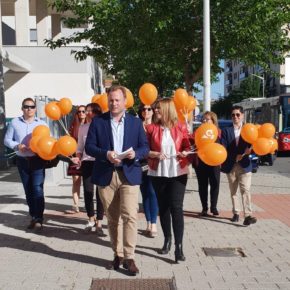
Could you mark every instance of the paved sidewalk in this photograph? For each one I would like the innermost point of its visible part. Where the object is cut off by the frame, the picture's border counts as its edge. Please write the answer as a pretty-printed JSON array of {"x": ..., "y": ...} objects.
[{"x": 64, "y": 257}]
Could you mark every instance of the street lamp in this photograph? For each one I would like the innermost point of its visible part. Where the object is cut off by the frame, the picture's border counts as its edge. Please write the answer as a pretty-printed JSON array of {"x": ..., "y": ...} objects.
[
  {"x": 263, "y": 82},
  {"x": 206, "y": 55}
]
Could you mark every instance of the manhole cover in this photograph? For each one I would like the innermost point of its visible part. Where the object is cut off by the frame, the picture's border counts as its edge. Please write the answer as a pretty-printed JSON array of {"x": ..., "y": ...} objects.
[
  {"x": 133, "y": 284},
  {"x": 224, "y": 252}
]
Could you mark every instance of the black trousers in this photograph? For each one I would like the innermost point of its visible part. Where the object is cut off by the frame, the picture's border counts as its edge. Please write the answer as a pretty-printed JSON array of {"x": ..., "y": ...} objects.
[
  {"x": 87, "y": 169},
  {"x": 208, "y": 175},
  {"x": 170, "y": 196}
]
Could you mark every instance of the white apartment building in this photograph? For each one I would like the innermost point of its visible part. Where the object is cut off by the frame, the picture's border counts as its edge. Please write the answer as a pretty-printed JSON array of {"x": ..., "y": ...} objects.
[
  {"x": 32, "y": 69},
  {"x": 236, "y": 72}
]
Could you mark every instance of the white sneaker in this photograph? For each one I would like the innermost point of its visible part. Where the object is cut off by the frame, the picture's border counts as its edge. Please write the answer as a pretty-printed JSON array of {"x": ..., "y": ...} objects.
[{"x": 89, "y": 226}]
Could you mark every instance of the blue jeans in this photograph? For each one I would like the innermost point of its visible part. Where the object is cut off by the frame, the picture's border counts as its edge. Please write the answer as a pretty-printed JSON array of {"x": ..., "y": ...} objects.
[
  {"x": 150, "y": 203},
  {"x": 32, "y": 175}
]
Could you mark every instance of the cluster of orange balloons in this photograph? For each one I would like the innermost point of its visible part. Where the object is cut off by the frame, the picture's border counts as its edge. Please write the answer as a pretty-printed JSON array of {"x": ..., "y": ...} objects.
[
  {"x": 210, "y": 153},
  {"x": 184, "y": 104},
  {"x": 48, "y": 147},
  {"x": 102, "y": 100},
  {"x": 55, "y": 110},
  {"x": 261, "y": 137}
]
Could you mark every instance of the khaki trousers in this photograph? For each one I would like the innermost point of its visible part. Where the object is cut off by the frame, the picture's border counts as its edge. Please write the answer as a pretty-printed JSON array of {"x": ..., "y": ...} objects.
[
  {"x": 237, "y": 177},
  {"x": 120, "y": 201}
]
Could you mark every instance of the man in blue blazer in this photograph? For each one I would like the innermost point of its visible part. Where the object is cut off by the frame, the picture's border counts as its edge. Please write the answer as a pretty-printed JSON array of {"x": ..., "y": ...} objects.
[
  {"x": 117, "y": 175},
  {"x": 238, "y": 166}
]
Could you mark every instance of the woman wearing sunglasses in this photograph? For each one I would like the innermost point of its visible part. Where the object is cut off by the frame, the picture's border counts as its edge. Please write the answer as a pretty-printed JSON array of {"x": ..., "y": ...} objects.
[
  {"x": 208, "y": 175},
  {"x": 150, "y": 205},
  {"x": 78, "y": 120},
  {"x": 86, "y": 163},
  {"x": 168, "y": 168}
]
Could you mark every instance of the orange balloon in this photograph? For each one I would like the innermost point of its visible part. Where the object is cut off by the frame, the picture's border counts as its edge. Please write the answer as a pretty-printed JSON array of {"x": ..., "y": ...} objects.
[
  {"x": 205, "y": 134},
  {"x": 66, "y": 145},
  {"x": 267, "y": 130},
  {"x": 181, "y": 99},
  {"x": 33, "y": 143},
  {"x": 41, "y": 130},
  {"x": 191, "y": 104},
  {"x": 45, "y": 145},
  {"x": 130, "y": 99},
  {"x": 52, "y": 111},
  {"x": 212, "y": 154},
  {"x": 262, "y": 146},
  {"x": 148, "y": 94},
  {"x": 249, "y": 133},
  {"x": 46, "y": 157},
  {"x": 65, "y": 105},
  {"x": 95, "y": 98},
  {"x": 274, "y": 145},
  {"x": 102, "y": 101}
]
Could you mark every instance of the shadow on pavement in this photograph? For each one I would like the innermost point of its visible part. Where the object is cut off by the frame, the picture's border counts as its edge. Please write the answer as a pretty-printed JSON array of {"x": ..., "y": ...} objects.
[
  {"x": 10, "y": 175},
  {"x": 28, "y": 245},
  {"x": 217, "y": 219},
  {"x": 61, "y": 228},
  {"x": 17, "y": 199}
]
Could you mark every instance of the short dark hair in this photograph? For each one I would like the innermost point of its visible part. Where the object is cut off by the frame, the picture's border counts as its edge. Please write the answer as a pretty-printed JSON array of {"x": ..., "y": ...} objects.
[
  {"x": 140, "y": 110},
  {"x": 240, "y": 108},
  {"x": 116, "y": 88},
  {"x": 28, "y": 99},
  {"x": 96, "y": 109}
]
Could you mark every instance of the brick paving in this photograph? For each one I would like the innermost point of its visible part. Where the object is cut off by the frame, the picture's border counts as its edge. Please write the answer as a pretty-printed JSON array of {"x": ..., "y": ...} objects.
[{"x": 62, "y": 256}]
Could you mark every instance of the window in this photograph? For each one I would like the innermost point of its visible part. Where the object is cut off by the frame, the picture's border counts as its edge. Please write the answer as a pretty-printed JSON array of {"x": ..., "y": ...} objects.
[{"x": 33, "y": 35}]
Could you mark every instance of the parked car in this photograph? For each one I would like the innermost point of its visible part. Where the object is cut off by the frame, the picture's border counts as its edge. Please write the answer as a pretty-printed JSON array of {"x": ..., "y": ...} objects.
[
  {"x": 224, "y": 123},
  {"x": 255, "y": 162}
]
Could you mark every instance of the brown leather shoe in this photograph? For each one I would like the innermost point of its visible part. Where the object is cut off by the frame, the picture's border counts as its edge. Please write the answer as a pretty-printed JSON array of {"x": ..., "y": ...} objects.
[
  {"x": 130, "y": 265},
  {"x": 115, "y": 264}
]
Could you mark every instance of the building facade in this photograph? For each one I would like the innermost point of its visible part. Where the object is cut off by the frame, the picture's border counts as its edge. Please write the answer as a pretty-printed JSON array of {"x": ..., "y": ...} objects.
[
  {"x": 236, "y": 72},
  {"x": 32, "y": 69}
]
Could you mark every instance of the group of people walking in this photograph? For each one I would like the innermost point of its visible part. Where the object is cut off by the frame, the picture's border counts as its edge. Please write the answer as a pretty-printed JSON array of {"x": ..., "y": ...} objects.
[{"x": 122, "y": 154}]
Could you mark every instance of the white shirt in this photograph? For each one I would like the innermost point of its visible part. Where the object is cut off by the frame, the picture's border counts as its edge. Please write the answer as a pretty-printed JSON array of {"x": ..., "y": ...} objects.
[
  {"x": 237, "y": 131},
  {"x": 168, "y": 167},
  {"x": 82, "y": 136}
]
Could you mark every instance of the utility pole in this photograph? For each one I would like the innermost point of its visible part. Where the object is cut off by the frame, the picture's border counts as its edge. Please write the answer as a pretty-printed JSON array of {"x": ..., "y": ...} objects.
[
  {"x": 206, "y": 55},
  {"x": 3, "y": 164},
  {"x": 263, "y": 83}
]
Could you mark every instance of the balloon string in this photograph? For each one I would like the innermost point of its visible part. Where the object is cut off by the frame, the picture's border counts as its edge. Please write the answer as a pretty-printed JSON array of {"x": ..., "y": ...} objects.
[
  {"x": 10, "y": 155},
  {"x": 63, "y": 126}
]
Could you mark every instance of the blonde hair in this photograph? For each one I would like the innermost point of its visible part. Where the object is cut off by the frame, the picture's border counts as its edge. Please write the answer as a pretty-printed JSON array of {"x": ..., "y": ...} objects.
[
  {"x": 168, "y": 113},
  {"x": 213, "y": 117}
]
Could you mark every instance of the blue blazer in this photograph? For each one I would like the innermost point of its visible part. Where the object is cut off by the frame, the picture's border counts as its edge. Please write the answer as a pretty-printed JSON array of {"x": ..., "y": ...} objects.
[
  {"x": 100, "y": 140},
  {"x": 229, "y": 142}
]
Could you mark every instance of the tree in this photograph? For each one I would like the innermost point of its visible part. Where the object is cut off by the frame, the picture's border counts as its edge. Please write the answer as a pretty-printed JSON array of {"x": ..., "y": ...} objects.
[{"x": 161, "y": 41}]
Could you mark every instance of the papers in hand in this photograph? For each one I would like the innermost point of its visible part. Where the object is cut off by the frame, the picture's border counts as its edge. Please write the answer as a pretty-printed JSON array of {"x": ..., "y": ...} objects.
[{"x": 123, "y": 154}]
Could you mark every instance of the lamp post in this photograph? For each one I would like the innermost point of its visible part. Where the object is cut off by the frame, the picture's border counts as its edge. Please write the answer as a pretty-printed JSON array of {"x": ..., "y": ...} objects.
[
  {"x": 263, "y": 83},
  {"x": 206, "y": 55}
]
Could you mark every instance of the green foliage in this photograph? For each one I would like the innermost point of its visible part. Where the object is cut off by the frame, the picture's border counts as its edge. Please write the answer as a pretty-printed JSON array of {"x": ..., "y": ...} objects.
[{"x": 161, "y": 41}]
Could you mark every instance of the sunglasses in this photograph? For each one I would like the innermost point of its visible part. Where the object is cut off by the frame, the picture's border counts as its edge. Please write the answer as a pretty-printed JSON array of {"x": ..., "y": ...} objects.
[
  {"x": 236, "y": 115},
  {"x": 81, "y": 112},
  {"x": 28, "y": 107},
  {"x": 147, "y": 109}
]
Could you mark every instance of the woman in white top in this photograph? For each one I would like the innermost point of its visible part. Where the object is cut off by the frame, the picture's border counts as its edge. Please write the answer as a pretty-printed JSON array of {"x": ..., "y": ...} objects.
[
  {"x": 87, "y": 163},
  {"x": 168, "y": 168}
]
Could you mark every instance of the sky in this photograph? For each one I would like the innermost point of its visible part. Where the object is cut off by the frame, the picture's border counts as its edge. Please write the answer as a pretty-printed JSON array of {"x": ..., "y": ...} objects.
[{"x": 217, "y": 89}]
